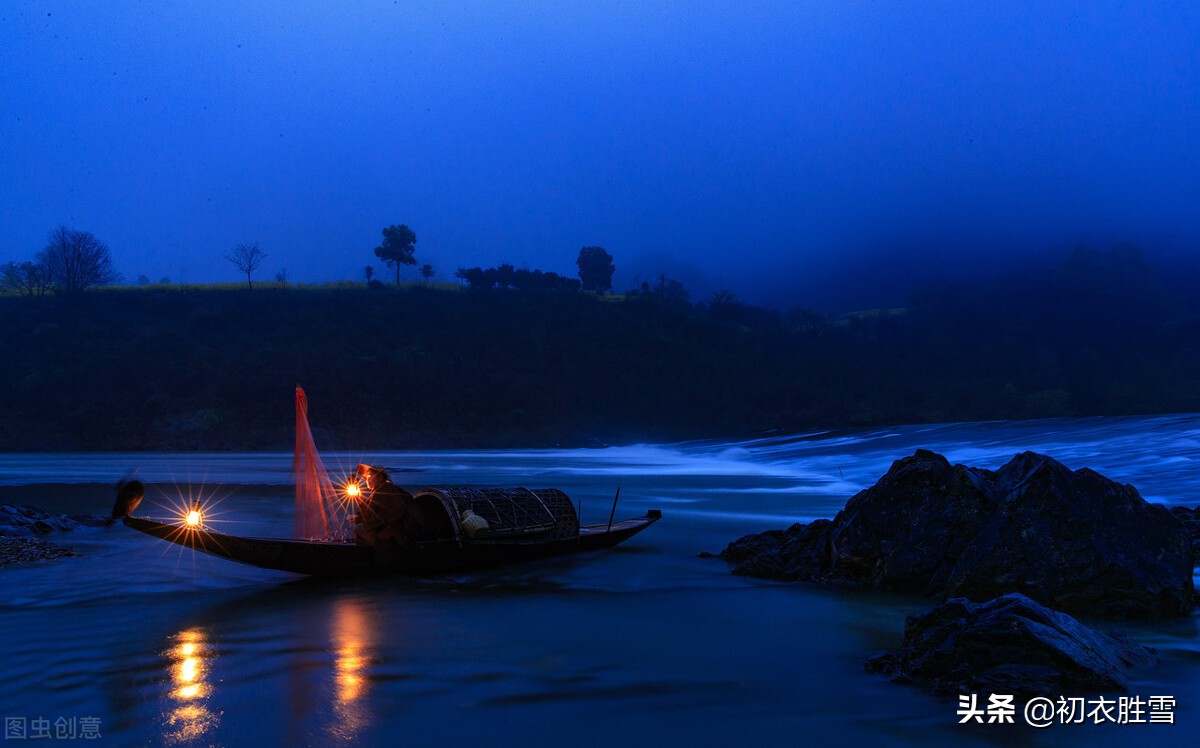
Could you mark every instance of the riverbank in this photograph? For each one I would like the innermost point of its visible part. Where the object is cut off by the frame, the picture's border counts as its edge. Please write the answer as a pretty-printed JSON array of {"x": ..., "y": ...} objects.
[
  {"x": 188, "y": 369},
  {"x": 16, "y": 551}
]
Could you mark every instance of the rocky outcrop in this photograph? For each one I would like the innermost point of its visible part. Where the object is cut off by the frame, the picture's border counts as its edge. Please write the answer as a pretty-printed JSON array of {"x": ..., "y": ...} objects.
[
  {"x": 21, "y": 526},
  {"x": 14, "y": 551},
  {"x": 1010, "y": 645},
  {"x": 1190, "y": 517},
  {"x": 1073, "y": 540},
  {"x": 26, "y": 521}
]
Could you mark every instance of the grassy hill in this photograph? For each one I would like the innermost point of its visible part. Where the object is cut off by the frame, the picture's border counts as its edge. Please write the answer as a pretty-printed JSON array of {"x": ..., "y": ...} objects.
[{"x": 165, "y": 367}]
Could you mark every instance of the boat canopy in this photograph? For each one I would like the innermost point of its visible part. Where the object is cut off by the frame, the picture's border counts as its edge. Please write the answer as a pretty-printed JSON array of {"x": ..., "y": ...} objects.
[{"x": 541, "y": 512}]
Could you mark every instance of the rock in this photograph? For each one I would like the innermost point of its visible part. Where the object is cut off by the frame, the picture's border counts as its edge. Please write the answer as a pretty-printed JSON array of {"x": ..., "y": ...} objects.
[
  {"x": 1080, "y": 543},
  {"x": 1010, "y": 645},
  {"x": 24, "y": 521},
  {"x": 754, "y": 545},
  {"x": 1073, "y": 540},
  {"x": 15, "y": 551},
  {"x": 1191, "y": 520}
]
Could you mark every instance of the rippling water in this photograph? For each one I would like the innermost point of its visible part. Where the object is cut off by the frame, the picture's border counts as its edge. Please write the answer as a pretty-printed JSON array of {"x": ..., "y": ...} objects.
[{"x": 642, "y": 644}]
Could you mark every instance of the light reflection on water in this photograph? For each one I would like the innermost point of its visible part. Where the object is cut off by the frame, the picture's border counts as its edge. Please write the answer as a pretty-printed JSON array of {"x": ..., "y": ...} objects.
[
  {"x": 190, "y": 660},
  {"x": 646, "y": 639},
  {"x": 351, "y": 641}
]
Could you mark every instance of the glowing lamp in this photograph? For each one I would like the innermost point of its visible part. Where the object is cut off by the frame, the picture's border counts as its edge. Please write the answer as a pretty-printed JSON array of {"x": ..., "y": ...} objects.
[
  {"x": 193, "y": 518},
  {"x": 353, "y": 491}
]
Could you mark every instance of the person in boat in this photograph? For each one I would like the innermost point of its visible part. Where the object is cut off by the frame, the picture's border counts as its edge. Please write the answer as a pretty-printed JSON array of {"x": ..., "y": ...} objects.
[{"x": 388, "y": 518}]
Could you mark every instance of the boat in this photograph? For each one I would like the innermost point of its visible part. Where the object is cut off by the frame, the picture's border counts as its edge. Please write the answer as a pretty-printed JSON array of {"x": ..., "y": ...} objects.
[
  {"x": 456, "y": 551},
  {"x": 367, "y": 526}
]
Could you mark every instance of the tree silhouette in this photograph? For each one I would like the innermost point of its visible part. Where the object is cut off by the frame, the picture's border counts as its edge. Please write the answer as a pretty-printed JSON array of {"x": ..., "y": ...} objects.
[
  {"x": 595, "y": 269},
  {"x": 427, "y": 271},
  {"x": 370, "y": 273},
  {"x": 397, "y": 248},
  {"x": 77, "y": 260},
  {"x": 247, "y": 258},
  {"x": 31, "y": 278}
]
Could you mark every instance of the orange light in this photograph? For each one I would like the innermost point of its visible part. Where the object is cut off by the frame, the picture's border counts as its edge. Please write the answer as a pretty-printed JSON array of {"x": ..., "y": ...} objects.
[
  {"x": 193, "y": 518},
  {"x": 353, "y": 491}
]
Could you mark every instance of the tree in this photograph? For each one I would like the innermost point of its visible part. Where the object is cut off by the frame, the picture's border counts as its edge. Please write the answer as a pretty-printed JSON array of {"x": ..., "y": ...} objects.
[
  {"x": 77, "y": 260},
  {"x": 31, "y": 278},
  {"x": 595, "y": 269},
  {"x": 427, "y": 271},
  {"x": 397, "y": 248},
  {"x": 506, "y": 275},
  {"x": 370, "y": 273},
  {"x": 247, "y": 258},
  {"x": 674, "y": 291}
]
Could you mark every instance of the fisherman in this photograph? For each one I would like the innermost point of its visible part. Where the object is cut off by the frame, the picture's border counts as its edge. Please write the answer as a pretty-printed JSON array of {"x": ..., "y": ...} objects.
[{"x": 389, "y": 518}]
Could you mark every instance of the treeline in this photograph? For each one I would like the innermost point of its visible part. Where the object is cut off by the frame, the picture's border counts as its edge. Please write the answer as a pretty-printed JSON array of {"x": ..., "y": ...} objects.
[
  {"x": 521, "y": 279},
  {"x": 1097, "y": 333}
]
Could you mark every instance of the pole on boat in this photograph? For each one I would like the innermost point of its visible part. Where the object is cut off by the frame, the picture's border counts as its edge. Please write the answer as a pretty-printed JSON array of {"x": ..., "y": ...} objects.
[{"x": 613, "y": 513}]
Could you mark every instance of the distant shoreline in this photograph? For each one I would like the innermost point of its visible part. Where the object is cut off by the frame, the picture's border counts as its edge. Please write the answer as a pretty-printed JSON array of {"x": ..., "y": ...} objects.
[{"x": 430, "y": 368}]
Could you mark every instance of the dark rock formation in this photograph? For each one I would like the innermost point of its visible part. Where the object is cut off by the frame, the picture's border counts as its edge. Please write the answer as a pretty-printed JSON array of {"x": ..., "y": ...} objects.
[
  {"x": 25, "y": 521},
  {"x": 1191, "y": 520},
  {"x": 14, "y": 551},
  {"x": 1010, "y": 645},
  {"x": 1073, "y": 540}
]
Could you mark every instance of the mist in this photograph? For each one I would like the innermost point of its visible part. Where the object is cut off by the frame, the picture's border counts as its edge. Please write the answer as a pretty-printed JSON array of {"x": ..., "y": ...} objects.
[{"x": 830, "y": 155}]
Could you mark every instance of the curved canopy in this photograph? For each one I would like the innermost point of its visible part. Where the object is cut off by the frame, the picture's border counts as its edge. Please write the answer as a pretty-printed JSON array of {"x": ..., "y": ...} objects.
[{"x": 544, "y": 512}]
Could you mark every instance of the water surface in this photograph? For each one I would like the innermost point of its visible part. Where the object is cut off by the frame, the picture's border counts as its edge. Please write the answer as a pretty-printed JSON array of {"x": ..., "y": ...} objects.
[{"x": 645, "y": 644}]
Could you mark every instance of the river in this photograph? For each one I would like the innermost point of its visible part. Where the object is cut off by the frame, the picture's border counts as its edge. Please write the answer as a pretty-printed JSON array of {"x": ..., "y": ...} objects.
[{"x": 646, "y": 644}]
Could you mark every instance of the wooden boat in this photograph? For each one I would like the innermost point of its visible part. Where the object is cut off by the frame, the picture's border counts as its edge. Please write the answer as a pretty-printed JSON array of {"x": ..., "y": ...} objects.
[{"x": 523, "y": 525}]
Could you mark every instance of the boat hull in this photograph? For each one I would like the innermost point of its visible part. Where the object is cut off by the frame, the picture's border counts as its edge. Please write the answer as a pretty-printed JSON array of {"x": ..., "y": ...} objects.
[{"x": 349, "y": 560}]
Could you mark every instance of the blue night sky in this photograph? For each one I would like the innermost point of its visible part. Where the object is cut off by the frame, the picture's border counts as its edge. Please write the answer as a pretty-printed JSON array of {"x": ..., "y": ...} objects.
[{"x": 769, "y": 147}]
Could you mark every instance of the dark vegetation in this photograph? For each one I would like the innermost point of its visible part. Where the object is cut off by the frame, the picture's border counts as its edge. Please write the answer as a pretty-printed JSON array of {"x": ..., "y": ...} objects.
[
  {"x": 158, "y": 367},
  {"x": 71, "y": 262},
  {"x": 596, "y": 269},
  {"x": 399, "y": 244},
  {"x": 521, "y": 279}
]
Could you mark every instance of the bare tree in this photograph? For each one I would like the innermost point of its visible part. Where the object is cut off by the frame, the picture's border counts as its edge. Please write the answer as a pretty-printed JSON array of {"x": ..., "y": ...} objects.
[
  {"x": 77, "y": 260},
  {"x": 31, "y": 278},
  {"x": 247, "y": 258}
]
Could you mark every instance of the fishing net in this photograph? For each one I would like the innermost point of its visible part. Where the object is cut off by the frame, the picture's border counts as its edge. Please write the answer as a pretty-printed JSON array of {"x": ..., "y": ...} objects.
[{"x": 319, "y": 512}]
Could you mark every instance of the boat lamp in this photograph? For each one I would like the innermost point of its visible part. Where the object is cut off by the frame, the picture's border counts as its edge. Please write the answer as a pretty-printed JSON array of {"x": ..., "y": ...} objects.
[{"x": 194, "y": 519}]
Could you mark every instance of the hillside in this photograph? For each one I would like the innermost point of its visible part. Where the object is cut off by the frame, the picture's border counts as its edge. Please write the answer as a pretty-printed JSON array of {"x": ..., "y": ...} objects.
[{"x": 165, "y": 368}]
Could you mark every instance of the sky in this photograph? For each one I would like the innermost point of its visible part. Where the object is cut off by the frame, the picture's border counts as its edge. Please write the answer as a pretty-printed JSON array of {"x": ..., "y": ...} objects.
[{"x": 780, "y": 150}]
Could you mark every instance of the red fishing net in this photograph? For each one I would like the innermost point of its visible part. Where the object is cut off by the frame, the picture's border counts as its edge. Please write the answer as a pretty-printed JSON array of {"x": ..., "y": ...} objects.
[{"x": 319, "y": 513}]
